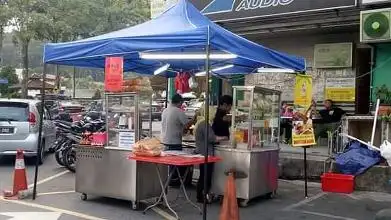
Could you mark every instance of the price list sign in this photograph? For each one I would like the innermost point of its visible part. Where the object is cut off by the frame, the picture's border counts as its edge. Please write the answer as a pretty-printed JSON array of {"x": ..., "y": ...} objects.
[{"x": 114, "y": 68}]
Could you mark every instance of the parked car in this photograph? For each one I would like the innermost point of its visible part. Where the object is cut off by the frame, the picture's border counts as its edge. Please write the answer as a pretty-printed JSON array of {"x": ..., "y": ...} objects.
[
  {"x": 191, "y": 110},
  {"x": 156, "y": 112},
  {"x": 71, "y": 107},
  {"x": 19, "y": 128}
]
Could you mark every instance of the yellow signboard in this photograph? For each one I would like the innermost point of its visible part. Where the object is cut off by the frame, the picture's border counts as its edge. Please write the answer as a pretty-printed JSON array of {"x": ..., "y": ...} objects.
[
  {"x": 302, "y": 129},
  {"x": 303, "y": 91},
  {"x": 341, "y": 89}
]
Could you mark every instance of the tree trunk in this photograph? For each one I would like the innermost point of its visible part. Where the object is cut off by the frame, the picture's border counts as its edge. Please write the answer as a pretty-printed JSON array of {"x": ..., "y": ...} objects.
[
  {"x": 1, "y": 43},
  {"x": 25, "y": 77}
]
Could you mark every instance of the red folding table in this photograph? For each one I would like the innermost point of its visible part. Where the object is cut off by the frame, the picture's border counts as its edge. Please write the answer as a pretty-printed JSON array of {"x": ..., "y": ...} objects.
[{"x": 175, "y": 161}]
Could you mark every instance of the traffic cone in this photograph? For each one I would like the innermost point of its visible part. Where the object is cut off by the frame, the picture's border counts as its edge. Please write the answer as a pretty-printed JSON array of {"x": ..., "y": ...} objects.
[
  {"x": 230, "y": 208},
  {"x": 20, "y": 179}
]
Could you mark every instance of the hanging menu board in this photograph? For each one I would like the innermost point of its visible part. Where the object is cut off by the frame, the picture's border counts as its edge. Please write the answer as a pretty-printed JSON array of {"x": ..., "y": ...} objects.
[{"x": 114, "y": 68}]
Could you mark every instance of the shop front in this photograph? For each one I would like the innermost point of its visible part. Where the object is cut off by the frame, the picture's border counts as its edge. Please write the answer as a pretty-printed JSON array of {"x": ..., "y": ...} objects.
[{"x": 326, "y": 33}]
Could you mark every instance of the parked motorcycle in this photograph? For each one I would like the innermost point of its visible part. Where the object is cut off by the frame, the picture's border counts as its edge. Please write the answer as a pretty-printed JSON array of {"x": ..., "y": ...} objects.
[{"x": 70, "y": 134}]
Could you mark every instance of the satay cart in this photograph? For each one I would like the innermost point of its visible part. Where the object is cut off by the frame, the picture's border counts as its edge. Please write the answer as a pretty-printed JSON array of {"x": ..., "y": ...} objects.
[
  {"x": 254, "y": 145},
  {"x": 106, "y": 171}
]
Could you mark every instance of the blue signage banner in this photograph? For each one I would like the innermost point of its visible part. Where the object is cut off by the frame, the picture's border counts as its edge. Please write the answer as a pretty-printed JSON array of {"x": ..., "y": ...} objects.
[{"x": 226, "y": 10}]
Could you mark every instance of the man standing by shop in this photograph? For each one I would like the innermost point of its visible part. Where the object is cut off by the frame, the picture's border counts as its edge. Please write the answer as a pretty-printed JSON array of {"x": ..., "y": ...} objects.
[{"x": 174, "y": 125}]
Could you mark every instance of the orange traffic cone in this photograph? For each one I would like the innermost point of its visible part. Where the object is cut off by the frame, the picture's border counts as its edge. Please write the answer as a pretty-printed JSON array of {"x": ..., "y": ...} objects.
[
  {"x": 230, "y": 208},
  {"x": 20, "y": 179}
]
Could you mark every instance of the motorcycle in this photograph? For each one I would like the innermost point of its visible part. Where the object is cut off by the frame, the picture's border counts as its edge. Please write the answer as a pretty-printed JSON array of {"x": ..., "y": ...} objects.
[{"x": 70, "y": 134}]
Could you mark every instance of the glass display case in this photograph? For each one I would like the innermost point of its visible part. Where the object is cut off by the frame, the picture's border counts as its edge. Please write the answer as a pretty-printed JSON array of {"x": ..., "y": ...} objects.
[
  {"x": 129, "y": 118},
  {"x": 255, "y": 117}
]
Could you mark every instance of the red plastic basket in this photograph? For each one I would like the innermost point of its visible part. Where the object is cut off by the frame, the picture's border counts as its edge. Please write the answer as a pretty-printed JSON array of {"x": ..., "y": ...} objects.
[{"x": 337, "y": 183}]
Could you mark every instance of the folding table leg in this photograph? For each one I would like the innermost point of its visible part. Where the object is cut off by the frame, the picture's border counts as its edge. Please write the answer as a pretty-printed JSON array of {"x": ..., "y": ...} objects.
[
  {"x": 163, "y": 195},
  {"x": 184, "y": 189}
]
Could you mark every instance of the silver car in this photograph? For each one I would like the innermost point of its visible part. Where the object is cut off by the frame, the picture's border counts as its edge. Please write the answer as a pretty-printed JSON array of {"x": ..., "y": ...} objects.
[{"x": 19, "y": 125}]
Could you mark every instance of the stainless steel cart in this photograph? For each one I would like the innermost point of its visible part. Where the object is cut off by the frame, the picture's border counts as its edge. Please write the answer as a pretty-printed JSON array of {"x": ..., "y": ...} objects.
[
  {"x": 254, "y": 145},
  {"x": 260, "y": 165},
  {"x": 109, "y": 173}
]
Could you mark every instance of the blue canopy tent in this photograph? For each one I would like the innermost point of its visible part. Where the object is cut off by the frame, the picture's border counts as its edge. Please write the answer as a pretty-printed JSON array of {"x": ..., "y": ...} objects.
[{"x": 181, "y": 30}]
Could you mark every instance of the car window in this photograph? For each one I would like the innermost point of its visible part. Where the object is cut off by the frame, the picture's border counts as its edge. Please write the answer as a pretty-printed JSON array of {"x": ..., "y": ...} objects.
[{"x": 14, "y": 111}]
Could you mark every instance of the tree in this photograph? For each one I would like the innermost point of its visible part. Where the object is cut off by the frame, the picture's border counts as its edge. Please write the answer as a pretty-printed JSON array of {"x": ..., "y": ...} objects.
[
  {"x": 4, "y": 20},
  {"x": 23, "y": 15},
  {"x": 8, "y": 73}
]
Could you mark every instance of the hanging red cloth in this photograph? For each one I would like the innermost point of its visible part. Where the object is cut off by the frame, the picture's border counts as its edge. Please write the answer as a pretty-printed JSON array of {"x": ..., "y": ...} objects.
[{"x": 182, "y": 82}]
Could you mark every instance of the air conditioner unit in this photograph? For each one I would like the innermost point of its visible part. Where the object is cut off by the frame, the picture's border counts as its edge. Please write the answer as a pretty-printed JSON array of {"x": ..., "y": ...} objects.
[{"x": 375, "y": 26}]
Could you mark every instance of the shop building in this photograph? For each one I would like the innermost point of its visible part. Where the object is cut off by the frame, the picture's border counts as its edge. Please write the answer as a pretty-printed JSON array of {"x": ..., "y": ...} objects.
[
  {"x": 375, "y": 30},
  {"x": 326, "y": 33}
]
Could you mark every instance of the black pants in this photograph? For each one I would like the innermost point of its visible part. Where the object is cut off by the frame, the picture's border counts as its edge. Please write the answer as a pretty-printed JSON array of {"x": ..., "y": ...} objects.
[
  {"x": 182, "y": 170},
  {"x": 287, "y": 127},
  {"x": 200, "y": 183}
]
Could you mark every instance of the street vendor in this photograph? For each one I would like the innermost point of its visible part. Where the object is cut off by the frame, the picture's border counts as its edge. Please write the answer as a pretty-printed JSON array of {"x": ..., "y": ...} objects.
[
  {"x": 174, "y": 124},
  {"x": 222, "y": 121}
]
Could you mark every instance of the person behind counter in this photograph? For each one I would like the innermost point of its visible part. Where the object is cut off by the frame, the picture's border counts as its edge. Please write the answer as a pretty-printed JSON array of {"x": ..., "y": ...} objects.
[
  {"x": 200, "y": 134},
  {"x": 222, "y": 121},
  {"x": 286, "y": 121},
  {"x": 174, "y": 125}
]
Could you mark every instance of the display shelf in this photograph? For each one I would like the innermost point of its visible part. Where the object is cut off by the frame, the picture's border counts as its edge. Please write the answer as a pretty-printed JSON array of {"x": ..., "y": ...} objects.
[
  {"x": 261, "y": 108},
  {"x": 124, "y": 113}
]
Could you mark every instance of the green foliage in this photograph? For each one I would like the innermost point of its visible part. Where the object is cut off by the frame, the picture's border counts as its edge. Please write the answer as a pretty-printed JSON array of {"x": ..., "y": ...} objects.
[
  {"x": 384, "y": 94},
  {"x": 8, "y": 73}
]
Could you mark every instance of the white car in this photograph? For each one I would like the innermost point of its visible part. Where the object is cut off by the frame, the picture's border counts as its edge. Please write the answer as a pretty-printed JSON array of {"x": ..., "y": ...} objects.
[{"x": 19, "y": 125}]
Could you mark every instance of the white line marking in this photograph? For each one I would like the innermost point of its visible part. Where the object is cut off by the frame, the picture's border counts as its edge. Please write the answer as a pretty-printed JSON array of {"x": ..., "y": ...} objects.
[
  {"x": 32, "y": 215},
  {"x": 305, "y": 201},
  {"x": 326, "y": 215},
  {"x": 55, "y": 193},
  {"x": 163, "y": 213},
  {"x": 301, "y": 183},
  {"x": 50, "y": 178},
  {"x": 52, "y": 209}
]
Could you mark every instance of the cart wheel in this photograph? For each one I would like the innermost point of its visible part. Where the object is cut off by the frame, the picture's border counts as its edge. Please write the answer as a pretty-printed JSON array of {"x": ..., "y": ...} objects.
[
  {"x": 134, "y": 205},
  {"x": 83, "y": 197},
  {"x": 243, "y": 203}
]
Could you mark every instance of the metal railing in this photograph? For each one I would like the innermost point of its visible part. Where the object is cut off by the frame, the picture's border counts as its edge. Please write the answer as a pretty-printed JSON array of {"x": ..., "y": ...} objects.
[{"x": 335, "y": 146}]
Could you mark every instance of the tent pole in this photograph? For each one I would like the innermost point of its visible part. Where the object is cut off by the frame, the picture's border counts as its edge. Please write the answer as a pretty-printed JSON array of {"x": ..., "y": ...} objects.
[
  {"x": 41, "y": 118},
  {"x": 206, "y": 143},
  {"x": 74, "y": 82},
  {"x": 167, "y": 87}
]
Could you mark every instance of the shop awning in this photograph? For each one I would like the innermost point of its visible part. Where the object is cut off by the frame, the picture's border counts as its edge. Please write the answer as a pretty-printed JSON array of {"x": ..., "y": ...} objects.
[{"x": 181, "y": 29}]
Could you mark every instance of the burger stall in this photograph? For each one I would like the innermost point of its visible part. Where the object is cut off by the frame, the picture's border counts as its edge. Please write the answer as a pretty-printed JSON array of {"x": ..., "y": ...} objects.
[{"x": 181, "y": 39}]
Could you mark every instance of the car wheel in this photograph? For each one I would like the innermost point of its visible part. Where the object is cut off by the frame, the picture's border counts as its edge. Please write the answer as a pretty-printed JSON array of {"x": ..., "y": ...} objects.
[{"x": 41, "y": 156}]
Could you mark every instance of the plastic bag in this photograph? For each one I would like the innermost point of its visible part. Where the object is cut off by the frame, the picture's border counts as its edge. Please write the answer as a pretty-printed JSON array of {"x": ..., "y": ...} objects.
[
  {"x": 385, "y": 150},
  {"x": 148, "y": 147},
  {"x": 193, "y": 83},
  {"x": 357, "y": 159}
]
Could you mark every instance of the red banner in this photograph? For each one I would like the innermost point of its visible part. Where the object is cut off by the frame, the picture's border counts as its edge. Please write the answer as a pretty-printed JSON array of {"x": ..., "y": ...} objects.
[{"x": 114, "y": 68}]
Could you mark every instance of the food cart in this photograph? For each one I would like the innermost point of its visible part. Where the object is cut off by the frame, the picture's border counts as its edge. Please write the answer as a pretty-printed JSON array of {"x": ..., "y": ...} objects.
[
  {"x": 106, "y": 171},
  {"x": 254, "y": 145}
]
